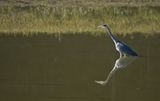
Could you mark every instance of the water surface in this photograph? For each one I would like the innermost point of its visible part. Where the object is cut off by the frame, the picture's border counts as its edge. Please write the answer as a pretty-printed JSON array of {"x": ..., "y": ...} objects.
[{"x": 44, "y": 68}]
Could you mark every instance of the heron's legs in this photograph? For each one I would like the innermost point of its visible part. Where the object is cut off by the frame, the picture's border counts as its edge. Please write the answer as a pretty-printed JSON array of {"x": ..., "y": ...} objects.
[
  {"x": 125, "y": 55},
  {"x": 121, "y": 54}
]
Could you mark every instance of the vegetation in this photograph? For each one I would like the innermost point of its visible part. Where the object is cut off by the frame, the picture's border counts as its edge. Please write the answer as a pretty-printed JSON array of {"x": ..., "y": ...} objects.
[{"x": 78, "y": 19}]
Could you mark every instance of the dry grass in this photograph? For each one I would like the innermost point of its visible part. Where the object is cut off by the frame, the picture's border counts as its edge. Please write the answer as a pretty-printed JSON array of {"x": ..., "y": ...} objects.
[{"x": 58, "y": 19}]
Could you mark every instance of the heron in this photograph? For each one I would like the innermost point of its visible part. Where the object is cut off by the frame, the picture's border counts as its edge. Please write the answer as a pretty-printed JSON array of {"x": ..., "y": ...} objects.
[{"x": 120, "y": 46}]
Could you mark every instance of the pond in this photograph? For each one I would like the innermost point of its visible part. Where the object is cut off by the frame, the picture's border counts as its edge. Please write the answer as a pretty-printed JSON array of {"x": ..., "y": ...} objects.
[{"x": 45, "y": 68}]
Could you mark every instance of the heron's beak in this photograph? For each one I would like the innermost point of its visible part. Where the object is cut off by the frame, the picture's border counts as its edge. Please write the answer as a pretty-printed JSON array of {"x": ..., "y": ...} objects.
[{"x": 101, "y": 26}]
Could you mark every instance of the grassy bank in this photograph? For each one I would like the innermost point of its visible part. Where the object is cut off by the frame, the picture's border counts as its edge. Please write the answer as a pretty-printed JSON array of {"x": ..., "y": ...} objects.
[{"x": 59, "y": 19}]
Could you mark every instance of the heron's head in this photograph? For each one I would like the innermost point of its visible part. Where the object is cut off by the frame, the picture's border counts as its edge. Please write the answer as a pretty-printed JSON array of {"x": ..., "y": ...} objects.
[{"x": 103, "y": 26}]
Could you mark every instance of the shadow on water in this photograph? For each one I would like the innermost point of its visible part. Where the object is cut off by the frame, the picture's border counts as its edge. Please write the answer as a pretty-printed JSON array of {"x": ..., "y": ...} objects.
[
  {"x": 44, "y": 68},
  {"x": 120, "y": 63}
]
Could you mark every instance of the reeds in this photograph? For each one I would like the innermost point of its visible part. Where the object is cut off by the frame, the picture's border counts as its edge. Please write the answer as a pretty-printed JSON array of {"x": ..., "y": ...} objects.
[{"x": 56, "y": 19}]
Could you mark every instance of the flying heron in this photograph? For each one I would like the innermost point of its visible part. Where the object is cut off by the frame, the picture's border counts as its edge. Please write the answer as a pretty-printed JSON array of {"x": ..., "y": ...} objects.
[{"x": 120, "y": 46}]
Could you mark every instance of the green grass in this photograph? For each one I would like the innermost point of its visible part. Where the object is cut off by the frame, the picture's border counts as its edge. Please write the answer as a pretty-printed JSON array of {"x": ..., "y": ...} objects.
[{"x": 59, "y": 19}]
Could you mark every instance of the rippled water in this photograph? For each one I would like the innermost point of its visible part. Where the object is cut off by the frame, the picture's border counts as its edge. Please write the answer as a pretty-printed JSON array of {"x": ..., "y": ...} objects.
[{"x": 44, "y": 68}]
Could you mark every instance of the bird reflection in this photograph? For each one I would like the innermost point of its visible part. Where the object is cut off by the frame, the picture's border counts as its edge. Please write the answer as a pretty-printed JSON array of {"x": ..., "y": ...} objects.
[{"x": 120, "y": 63}]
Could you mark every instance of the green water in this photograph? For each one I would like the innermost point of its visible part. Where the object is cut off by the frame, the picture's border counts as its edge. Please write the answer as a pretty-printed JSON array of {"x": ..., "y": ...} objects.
[{"x": 45, "y": 68}]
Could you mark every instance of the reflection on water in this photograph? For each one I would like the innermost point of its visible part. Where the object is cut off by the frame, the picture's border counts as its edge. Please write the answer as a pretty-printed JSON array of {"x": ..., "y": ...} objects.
[
  {"x": 42, "y": 68},
  {"x": 121, "y": 62}
]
